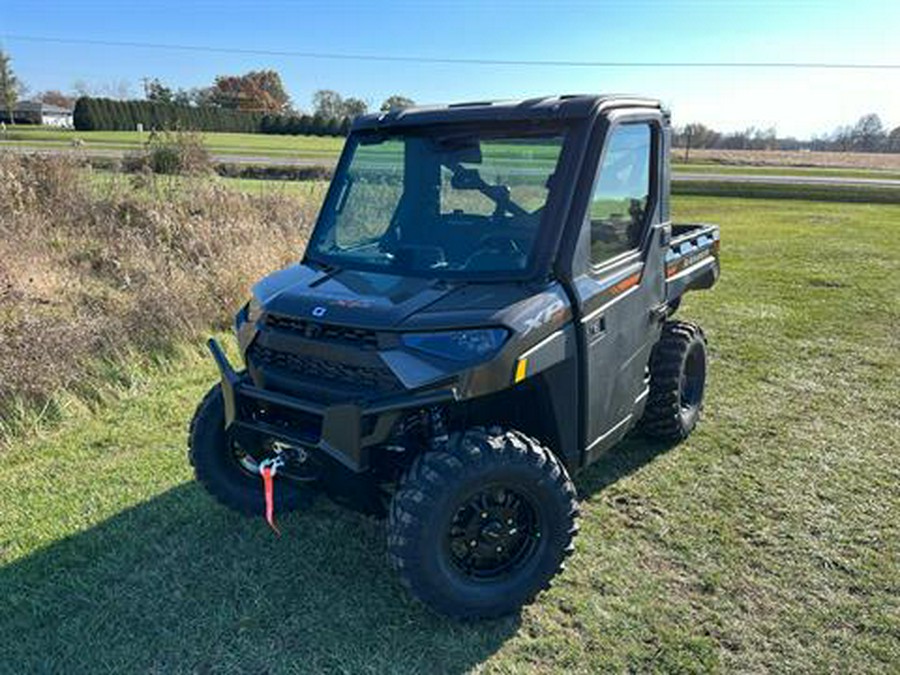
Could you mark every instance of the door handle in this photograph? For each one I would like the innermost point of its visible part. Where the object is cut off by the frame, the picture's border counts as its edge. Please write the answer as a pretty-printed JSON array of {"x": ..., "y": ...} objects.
[{"x": 596, "y": 328}]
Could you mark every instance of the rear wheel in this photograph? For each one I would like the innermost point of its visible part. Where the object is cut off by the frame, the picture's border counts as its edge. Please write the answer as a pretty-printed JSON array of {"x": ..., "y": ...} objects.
[
  {"x": 677, "y": 382},
  {"x": 478, "y": 530},
  {"x": 229, "y": 473}
]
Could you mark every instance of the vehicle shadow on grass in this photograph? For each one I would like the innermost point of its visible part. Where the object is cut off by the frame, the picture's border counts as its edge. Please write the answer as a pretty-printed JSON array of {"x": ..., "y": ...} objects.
[
  {"x": 625, "y": 458},
  {"x": 180, "y": 584}
]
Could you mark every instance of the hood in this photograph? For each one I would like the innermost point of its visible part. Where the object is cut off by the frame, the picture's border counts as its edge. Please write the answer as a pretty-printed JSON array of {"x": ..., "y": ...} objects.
[
  {"x": 347, "y": 297},
  {"x": 379, "y": 301}
]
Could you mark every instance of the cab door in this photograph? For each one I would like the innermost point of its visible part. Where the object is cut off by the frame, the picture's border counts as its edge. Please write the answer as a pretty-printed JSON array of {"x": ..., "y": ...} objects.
[{"x": 624, "y": 279}]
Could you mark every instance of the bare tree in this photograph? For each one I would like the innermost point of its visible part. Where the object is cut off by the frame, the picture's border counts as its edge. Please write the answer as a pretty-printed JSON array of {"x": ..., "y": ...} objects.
[
  {"x": 328, "y": 104},
  {"x": 81, "y": 88},
  {"x": 117, "y": 89},
  {"x": 842, "y": 138}
]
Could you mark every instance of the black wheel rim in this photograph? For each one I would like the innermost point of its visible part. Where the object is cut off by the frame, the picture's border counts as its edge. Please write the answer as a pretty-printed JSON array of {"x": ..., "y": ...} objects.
[
  {"x": 693, "y": 378},
  {"x": 493, "y": 534}
]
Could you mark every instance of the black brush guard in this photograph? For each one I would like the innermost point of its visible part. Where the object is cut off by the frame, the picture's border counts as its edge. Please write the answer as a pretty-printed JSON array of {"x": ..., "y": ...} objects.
[{"x": 344, "y": 432}]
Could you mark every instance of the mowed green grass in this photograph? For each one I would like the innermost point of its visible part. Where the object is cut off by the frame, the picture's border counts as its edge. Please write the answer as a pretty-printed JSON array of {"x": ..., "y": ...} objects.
[
  {"x": 768, "y": 541},
  {"x": 812, "y": 171},
  {"x": 326, "y": 147}
]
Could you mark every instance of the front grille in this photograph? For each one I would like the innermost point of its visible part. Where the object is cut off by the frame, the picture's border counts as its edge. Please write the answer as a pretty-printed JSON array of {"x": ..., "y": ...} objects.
[
  {"x": 313, "y": 330},
  {"x": 353, "y": 378}
]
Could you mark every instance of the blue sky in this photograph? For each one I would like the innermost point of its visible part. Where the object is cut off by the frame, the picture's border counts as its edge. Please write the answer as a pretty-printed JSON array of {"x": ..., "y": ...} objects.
[{"x": 796, "y": 102}]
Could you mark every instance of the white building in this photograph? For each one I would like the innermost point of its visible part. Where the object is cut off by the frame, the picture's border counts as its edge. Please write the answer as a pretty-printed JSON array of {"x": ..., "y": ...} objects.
[{"x": 35, "y": 112}]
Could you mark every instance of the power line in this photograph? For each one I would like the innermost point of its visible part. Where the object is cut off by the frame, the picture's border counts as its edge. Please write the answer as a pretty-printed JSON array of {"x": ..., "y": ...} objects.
[{"x": 821, "y": 65}]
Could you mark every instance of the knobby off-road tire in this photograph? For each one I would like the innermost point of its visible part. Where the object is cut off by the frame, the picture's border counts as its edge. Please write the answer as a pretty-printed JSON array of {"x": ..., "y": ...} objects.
[
  {"x": 217, "y": 468},
  {"x": 677, "y": 382},
  {"x": 441, "y": 485}
]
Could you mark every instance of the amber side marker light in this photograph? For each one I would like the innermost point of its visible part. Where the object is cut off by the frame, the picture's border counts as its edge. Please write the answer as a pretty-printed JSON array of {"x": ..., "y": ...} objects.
[{"x": 521, "y": 370}]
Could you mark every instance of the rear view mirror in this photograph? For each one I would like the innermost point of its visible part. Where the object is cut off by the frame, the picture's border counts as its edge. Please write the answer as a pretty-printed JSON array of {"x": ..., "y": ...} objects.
[
  {"x": 459, "y": 151},
  {"x": 466, "y": 179}
]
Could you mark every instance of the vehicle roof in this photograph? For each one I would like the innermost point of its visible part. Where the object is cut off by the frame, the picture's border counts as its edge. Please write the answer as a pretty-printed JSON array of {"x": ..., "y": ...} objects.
[{"x": 570, "y": 106}]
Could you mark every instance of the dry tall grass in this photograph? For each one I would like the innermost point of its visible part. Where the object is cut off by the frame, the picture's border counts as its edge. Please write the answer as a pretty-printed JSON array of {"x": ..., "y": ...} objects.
[{"x": 85, "y": 277}]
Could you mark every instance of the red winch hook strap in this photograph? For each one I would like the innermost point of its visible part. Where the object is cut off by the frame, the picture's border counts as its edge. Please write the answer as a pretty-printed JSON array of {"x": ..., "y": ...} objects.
[{"x": 267, "y": 470}]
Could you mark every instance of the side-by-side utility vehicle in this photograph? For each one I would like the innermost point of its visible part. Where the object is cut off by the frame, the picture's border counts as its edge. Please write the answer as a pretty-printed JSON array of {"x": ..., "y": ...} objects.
[{"x": 484, "y": 307}]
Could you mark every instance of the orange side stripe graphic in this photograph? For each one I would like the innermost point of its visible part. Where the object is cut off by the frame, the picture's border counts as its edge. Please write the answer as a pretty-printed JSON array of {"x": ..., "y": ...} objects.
[{"x": 626, "y": 283}]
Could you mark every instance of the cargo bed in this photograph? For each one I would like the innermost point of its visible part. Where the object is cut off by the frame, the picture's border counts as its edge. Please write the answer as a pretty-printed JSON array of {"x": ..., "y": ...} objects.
[{"x": 692, "y": 261}]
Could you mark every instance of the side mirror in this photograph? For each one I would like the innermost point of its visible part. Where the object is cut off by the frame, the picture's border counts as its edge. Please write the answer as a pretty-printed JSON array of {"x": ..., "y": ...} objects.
[{"x": 665, "y": 235}]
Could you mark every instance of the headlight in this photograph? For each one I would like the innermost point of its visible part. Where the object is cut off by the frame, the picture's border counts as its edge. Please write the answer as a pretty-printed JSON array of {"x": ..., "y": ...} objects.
[{"x": 458, "y": 345}]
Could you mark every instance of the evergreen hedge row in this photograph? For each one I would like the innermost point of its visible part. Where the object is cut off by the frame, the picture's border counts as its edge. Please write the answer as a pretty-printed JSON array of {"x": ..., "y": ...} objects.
[{"x": 105, "y": 114}]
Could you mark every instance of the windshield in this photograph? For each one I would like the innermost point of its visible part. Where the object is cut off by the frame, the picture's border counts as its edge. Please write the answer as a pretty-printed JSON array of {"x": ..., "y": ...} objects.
[{"x": 456, "y": 202}]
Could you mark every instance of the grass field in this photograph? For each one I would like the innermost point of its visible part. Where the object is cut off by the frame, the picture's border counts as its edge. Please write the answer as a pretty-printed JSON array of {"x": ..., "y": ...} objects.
[
  {"x": 105, "y": 180},
  {"x": 712, "y": 187},
  {"x": 326, "y": 149},
  {"x": 263, "y": 145},
  {"x": 767, "y": 542},
  {"x": 744, "y": 170}
]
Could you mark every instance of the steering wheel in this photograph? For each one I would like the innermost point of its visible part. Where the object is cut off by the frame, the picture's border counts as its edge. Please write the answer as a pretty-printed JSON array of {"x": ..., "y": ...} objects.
[{"x": 498, "y": 243}]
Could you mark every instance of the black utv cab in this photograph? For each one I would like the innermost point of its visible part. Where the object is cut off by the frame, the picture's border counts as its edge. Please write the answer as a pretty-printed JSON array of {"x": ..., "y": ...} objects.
[{"x": 483, "y": 309}]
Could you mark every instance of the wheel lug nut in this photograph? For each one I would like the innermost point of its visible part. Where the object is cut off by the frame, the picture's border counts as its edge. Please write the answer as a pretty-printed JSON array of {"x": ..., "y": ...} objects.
[
  {"x": 499, "y": 549},
  {"x": 473, "y": 543},
  {"x": 483, "y": 514},
  {"x": 509, "y": 521}
]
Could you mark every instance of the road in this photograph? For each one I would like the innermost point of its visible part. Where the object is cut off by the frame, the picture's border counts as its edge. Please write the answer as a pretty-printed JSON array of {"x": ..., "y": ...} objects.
[{"x": 330, "y": 161}]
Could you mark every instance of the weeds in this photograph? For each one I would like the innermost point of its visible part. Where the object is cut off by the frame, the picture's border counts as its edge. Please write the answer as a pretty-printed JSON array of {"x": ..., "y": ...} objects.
[
  {"x": 171, "y": 153},
  {"x": 86, "y": 275}
]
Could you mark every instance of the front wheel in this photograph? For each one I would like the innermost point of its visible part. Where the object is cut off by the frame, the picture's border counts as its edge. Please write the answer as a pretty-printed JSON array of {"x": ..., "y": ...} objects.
[
  {"x": 228, "y": 473},
  {"x": 478, "y": 530}
]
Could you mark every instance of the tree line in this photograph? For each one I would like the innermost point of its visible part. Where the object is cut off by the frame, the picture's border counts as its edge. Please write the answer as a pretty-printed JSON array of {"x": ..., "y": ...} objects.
[
  {"x": 257, "y": 102},
  {"x": 868, "y": 135},
  {"x": 254, "y": 102},
  {"x": 106, "y": 114},
  {"x": 332, "y": 115}
]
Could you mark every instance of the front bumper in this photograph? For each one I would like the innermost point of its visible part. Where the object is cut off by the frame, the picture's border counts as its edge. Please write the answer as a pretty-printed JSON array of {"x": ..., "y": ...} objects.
[{"x": 344, "y": 432}]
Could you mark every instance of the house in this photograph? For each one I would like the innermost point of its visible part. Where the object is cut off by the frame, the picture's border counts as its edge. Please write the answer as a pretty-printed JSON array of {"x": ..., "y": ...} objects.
[{"x": 35, "y": 112}]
